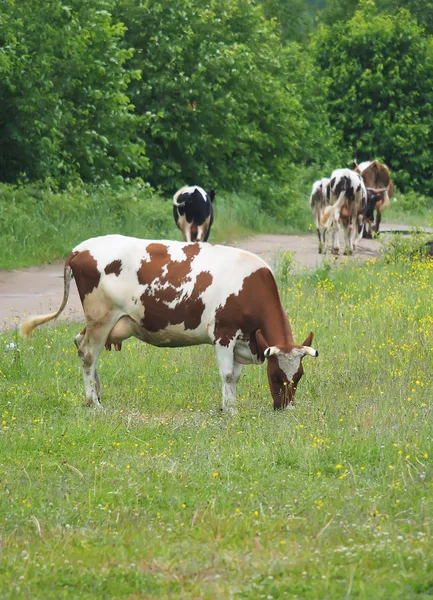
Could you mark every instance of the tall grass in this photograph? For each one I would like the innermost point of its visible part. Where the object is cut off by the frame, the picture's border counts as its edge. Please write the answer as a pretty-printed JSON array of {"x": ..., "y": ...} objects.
[
  {"x": 38, "y": 225},
  {"x": 162, "y": 496},
  {"x": 410, "y": 209}
]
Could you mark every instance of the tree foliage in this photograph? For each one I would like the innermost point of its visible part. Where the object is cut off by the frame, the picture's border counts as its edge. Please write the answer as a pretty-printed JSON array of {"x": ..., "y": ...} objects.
[
  {"x": 223, "y": 101},
  {"x": 64, "y": 110},
  {"x": 381, "y": 96}
]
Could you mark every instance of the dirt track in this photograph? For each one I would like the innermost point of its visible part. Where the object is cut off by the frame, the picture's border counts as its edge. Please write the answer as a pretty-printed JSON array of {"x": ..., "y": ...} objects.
[{"x": 38, "y": 290}]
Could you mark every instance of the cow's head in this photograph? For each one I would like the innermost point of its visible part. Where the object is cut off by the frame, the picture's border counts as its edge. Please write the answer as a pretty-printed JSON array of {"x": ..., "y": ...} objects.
[
  {"x": 373, "y": 198},
  {"x": 284, "y": 368}
]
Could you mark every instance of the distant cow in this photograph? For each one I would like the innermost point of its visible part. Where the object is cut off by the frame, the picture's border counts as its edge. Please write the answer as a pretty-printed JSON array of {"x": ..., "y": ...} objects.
[
  {"x": 178, "y": 294},
  {"x": 347, "y": 201},
  {"x": 193, "y": 212},
  {"x": 376, "y": 177},
  {"x": 375, "y": 199},
  {"x": 318, "y": 203}
]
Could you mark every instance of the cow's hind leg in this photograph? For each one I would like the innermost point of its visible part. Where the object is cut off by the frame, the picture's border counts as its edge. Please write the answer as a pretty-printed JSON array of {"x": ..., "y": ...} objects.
[
  {"x": 321, "y": 231},
  {"x": 91, "y": 345},
  {"x": 78, "y": 340},
  {"x": 230, "y": 371},
  {"x": 350, "y": 234},
  {"x": 336, "y": 238}
]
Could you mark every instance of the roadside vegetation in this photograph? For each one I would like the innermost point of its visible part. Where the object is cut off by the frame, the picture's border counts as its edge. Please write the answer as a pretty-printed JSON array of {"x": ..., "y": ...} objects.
[
  {"x": 41, "y": 225},
  {"x": 161, "y": 495}
]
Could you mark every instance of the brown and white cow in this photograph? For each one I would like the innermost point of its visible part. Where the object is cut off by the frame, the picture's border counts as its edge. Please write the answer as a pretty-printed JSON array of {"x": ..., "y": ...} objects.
[
  {"x": 193, "y": 212},
  {"x": 377, "y": 179},
  {"x": 176, "y": 294},
  {"x": 348, "y": 199},
  {"x": 318, "y": 203}
]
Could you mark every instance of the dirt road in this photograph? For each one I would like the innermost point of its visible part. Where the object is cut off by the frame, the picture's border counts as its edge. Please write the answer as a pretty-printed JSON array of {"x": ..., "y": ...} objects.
[{"x": 37, "y": 290}]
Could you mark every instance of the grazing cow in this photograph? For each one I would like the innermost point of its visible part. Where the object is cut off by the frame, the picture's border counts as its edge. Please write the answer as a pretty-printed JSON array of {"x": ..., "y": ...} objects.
[
  {"x": 193, "y": 212},
  {"x": 318, "y": 203},
  {"x": 376, "y": 178},
  {"x": 176, "y": 294},
  {"x": 348, "y": 199}
]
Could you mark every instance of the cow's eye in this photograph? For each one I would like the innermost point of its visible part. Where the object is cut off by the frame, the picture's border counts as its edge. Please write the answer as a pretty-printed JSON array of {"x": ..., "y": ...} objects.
[{"x": 274, "y": 379}]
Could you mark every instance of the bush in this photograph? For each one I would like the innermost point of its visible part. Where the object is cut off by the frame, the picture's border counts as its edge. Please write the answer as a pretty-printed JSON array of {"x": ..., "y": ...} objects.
[{"x": 403, "y": 248}]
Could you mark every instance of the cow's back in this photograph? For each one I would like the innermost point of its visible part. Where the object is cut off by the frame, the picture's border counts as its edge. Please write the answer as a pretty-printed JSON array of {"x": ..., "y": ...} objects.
[{"x": 173, "y": 289}]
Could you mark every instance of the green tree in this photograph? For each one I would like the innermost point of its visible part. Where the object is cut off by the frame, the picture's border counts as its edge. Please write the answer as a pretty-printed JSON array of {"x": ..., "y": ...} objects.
[
  {"x": 343, "y": 10},
  {"x": 381, "y": 96},
  {"x": 222, "y": 100},
  {"x": 63, "y": 105},
  {"x": 294, "y": 18}
]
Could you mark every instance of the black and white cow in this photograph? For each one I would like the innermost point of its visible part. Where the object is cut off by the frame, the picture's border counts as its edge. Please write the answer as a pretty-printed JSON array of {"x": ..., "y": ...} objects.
[
  {"x": 347, "y": 199},
  {"x": 318, "y": 203},
  {"x": 193, "y": 212}
]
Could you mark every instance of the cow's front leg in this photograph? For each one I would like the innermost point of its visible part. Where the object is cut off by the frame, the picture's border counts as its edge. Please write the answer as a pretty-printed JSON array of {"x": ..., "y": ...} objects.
[
  {"x": 378, "y": 220},
  {"x": 230, "y": 371}
]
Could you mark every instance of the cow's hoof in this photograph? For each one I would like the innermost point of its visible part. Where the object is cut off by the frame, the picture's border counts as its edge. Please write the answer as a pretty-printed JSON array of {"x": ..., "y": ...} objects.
[
  {"x": 320, "y": 250},
  {"x": 348, "y": 252},
  {"x": 229, "y": 410},
  {"x": 96, "y": 405},
  {"x": 335, "y": 251}
]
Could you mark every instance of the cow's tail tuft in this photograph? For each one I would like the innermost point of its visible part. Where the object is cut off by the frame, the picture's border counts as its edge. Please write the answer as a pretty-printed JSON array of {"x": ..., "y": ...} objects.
[{"x": 27, "y": 327}]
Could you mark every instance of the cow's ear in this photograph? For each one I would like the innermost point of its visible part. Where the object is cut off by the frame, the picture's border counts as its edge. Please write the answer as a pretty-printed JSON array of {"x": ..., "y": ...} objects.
[
  {"x": 261, "y": 344},
  {"x": 265, "y": 351},
  {"x": 308, "y": 339},
  {"x": 211, "y": 195}
]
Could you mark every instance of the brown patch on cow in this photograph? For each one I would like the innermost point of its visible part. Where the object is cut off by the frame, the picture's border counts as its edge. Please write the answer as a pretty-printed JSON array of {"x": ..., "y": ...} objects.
[
  {"x": 377, "y": 176},
  {"x": 256, "y": 306},
  {"x": 114, "y": 267},
  {"x": 159, "y": 258},
  {"x": 86, "y": 274},
  {"x": 168, "y": 278}
]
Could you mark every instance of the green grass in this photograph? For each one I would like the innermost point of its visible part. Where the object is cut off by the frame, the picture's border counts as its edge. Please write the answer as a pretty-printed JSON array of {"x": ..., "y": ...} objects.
[
  {"x": 410, "y": 209},
  {"x": 162, "y": 496}
]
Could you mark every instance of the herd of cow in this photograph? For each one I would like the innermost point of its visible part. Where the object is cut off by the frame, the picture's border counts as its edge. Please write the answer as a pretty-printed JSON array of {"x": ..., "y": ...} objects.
[
  {"x": 350, "y": 198},
  {"x": 175, "y": 294}
]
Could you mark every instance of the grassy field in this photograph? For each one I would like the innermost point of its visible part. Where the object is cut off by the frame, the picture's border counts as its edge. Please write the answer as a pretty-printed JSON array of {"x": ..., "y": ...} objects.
[{"x": 162, "y": 496}]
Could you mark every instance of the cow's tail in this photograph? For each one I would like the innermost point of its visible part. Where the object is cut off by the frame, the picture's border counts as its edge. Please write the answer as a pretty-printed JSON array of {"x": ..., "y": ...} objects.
[
  {"x": 330, "y": 212},
  {"x": 177, "y": 195},
  {"x": 27, "y": 327}
]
